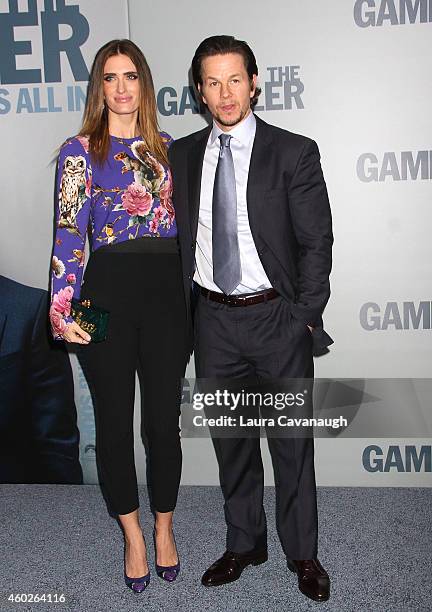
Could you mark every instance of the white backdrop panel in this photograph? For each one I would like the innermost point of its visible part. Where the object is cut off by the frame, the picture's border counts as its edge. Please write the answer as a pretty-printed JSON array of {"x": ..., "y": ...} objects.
[
  {"x": 36, "y": 118},
  {"x": 365, "y": 91}
]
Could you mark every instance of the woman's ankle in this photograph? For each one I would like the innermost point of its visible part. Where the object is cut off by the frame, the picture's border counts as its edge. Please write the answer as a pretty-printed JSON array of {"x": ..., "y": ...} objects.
[{"x": 134, "y": 537}]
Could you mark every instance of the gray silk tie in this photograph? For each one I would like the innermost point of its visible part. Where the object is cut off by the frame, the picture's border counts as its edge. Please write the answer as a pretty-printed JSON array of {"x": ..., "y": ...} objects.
[{"x": 226, "y": 253}]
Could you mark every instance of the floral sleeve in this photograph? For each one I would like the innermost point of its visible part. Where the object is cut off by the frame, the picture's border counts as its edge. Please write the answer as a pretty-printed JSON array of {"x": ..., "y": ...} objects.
[{"x": 72, "y": 210}]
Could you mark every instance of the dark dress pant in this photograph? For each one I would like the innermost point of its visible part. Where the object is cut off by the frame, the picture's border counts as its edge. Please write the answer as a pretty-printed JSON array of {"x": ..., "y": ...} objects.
[
  {"x": 261, "y": 341},
  {"x": 140, "y": 283}
]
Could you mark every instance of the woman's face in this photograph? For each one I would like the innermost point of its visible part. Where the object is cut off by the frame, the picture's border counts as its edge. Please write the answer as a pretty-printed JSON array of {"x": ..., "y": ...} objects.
[{"x": 121, "y": 85}]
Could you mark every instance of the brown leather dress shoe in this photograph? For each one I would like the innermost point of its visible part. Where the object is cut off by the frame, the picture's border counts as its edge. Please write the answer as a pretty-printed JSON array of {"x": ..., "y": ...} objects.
[
  {"x": 230, "y": 566},
  {"x": 313, "y": 580}
]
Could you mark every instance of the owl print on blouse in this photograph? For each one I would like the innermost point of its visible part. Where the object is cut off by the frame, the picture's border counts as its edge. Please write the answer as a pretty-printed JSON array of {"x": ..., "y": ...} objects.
[{"x": 74, "y": 189}]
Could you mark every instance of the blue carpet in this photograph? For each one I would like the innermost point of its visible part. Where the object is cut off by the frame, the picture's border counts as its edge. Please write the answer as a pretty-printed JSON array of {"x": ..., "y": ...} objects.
[{"x": 375, "y": 543}]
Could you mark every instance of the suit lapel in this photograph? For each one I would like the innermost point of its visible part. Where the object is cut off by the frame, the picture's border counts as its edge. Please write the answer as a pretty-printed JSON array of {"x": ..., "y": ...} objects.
[
  {"x": 258, "y": 177},
  {"x": 195, "y": 164}
]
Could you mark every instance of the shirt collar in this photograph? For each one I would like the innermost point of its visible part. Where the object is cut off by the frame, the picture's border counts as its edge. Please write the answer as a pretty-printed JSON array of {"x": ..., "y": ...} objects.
[{"x": 244, "y": 132}]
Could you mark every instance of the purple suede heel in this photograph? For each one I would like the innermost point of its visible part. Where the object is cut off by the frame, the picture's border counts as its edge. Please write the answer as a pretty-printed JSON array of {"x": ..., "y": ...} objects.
[
  {"x": 137, "y": 585},
  {"x": 168, "y": 573}
]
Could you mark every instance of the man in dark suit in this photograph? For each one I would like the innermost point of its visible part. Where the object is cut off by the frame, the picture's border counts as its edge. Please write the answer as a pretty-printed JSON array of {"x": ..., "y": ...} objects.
[
  {"x": 255, "y": 231},
  {"x": 39, "y": 439}
]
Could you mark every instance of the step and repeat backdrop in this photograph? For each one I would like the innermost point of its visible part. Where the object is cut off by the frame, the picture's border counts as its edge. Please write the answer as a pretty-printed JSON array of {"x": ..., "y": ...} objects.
[{"x": 354, "y": 76}]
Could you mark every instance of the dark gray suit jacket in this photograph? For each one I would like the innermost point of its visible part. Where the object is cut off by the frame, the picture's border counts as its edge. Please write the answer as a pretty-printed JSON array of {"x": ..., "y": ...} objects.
[{"x": 289, "y": 216}]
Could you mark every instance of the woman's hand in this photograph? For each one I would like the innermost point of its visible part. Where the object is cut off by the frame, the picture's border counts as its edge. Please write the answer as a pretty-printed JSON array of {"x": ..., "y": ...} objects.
[{"x": 74, "y": 333}]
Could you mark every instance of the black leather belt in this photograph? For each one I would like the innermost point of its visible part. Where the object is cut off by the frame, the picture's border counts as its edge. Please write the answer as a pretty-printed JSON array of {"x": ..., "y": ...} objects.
[{"x": 245, "y": 299}]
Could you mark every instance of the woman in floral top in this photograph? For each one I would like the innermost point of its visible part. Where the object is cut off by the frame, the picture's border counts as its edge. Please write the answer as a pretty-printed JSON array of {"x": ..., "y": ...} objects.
[{"x": 114, "y": 185}]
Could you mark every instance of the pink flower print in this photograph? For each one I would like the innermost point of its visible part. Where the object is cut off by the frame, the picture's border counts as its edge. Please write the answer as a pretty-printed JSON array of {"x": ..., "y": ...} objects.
[
  {"x": 58, "y": 324},
  {"x": 62, "y": 301},
  {"x": 71, "y": 279},
  {"x": 153, "y": 226},
  {"x": 159, "y": 213},
  {"x": 84, "y": 142},
  {"x": 137, "y": 200}
]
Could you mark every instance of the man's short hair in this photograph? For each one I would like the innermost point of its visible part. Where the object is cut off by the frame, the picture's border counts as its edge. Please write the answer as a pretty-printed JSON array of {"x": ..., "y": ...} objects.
[{"x": 221, "y": 45}]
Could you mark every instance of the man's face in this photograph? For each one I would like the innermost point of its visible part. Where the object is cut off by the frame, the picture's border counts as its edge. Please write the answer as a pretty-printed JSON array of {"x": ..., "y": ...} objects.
[{"x": 226, "y": 89}]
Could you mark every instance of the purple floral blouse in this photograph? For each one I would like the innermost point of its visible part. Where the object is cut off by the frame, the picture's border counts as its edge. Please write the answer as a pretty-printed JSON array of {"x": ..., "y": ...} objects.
[{"x": 127, "y": 198}]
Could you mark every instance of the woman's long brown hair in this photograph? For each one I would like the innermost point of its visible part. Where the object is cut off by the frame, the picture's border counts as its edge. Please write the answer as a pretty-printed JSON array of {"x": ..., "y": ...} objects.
[{"x": 95, "y": 119}]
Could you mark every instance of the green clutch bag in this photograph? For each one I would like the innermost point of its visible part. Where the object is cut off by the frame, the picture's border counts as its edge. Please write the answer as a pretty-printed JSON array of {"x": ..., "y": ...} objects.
[{"x": 91, "y": 319}]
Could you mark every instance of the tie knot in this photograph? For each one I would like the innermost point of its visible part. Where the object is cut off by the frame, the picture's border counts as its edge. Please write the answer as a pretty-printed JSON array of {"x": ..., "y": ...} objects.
[{"x": 225, "y": 140}]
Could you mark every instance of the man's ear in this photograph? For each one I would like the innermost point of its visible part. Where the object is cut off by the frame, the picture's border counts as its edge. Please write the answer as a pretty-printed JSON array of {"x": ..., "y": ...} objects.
[
  {"x": 201, "y": 93},
  {"x": 253, "y": 85}
]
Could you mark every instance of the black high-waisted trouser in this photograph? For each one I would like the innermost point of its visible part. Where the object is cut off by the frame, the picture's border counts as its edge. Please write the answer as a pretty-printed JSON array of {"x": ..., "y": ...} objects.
[{"x": 140, "y": 283}]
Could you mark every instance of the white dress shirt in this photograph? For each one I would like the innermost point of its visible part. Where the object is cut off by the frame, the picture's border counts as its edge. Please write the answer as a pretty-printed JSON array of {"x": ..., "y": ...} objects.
[{"x": 253, "y": 277}]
